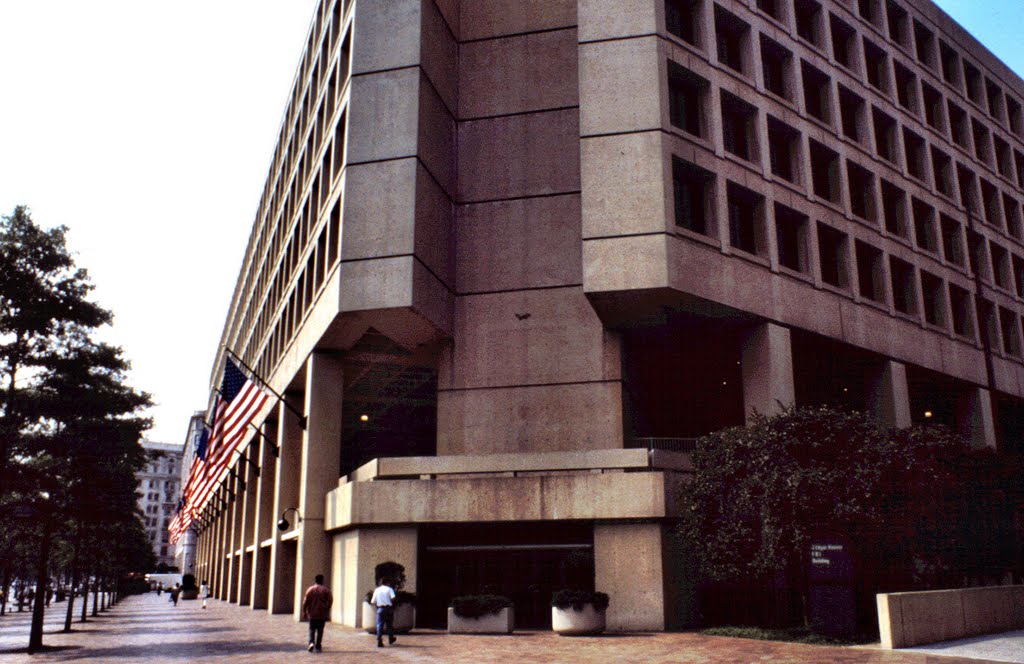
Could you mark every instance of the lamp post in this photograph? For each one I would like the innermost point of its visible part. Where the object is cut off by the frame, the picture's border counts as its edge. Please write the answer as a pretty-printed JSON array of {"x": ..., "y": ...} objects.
[{"x": 283, "y": 524}]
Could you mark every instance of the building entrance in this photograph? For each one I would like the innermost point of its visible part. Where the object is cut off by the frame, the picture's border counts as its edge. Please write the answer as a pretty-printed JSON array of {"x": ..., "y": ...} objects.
[{"x": 526, "y": 562}]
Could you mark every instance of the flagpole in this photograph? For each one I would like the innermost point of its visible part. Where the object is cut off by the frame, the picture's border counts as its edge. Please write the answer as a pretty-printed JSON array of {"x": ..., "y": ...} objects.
[
  {"x": 302, "y": 417},
  {"x": 265, "y": 437}
]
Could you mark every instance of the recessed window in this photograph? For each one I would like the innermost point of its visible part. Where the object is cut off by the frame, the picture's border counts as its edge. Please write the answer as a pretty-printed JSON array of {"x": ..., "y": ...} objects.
[
  {"x": 738, "y": 127},
  {"x": 832, "y": 256},
  {"x": 1018, "y": 160},
  {"x": 959, "y": 125},
  {"x": 972, "y": 79},
  {"x": 933, "y": 299},
  {"x": 966, "y": 183},
  {"x": 746, "y": 219},
  {"x": 1010, "y": 328},
  {"x": 990, "y": 199},
  {"x": 791, "y": 238},
  {"x": 682, "y": 19},
  {"x": 771, "y": 7},
  {"x": 914, "y": 148},
  {"x": 731, "y": 36},
  {"x": 1001, "y": 266},
  {"x": 988, "y": 324},
  {"x": 783, "y": 149},
  {"x": 885, "y": 135},
  {"x": 869, "y": 272},
  {"x": 1011, "y": 210},
  {"x": 1003, "y": 156},
  {"x": 950, "y": 64},
  {"x": 906, "y": 87},
  {"x": 775, "y": 65},
  {"x": 924, "y": 226},
  {"x": 904, "y": 286},
  {"x": 868, "y": 10},
  {"x": 942, "y": 168},
  {"x": 694, "y": 196},
  {"x": 862, "y": 191},
  {"x": 1015, "y": 116},
  {"x": 952, "y": 240},
  {"x": 981, "y": 141},
  {"x": 894, "y": 208},
  {"x": 824, "y": 172},
  {"x": 924, "y": 45},
  {"x": 844, "y": 44},
  {"x": 851, "y": 112},
  {"x": 817, "y": 92},
  {"x": 995, "y": 100},
  {"x": 960, "y": 306},
  {"x": 977, "y": 255},
  {"x": 1018, "y": 274},
  {"x": 876, "y": 66},
  {"x": 933, "y": 107},
  {"x": 808, "y": 20},
  {"x": 687, "y": 94},
  {"x": 899, "y": 24}
]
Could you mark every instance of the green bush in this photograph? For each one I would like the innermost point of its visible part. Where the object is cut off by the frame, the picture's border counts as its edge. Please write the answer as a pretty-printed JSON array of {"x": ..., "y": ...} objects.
[
  {"x": 188, "y": 582},
  {"x": 401, "y": 597},
  {"x": 577, "y": 599},
  {"x": 391, "y": 573},
  {"x": 475, "y": 606}
]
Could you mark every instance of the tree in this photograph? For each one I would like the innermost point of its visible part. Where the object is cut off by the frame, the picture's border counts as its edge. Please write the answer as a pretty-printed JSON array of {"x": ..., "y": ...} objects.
[{"x": 760, "y": 492}]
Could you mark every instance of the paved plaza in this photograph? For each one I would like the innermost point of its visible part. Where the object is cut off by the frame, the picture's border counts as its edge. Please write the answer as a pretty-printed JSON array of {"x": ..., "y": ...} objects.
[{"x": 148, "y": 629}]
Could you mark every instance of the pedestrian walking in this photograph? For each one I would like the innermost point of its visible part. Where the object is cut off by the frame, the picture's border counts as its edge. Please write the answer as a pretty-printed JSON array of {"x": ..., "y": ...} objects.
[
  {"x": 159, "y": 589},
  {"x": 316, "y": 607},
  {"x": 175, "y": 591},
  {"x": 384, "y": 599}
]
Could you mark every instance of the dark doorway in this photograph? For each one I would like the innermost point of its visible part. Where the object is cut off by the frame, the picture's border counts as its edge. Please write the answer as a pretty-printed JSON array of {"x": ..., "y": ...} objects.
[{"x": 525, "y": 562}]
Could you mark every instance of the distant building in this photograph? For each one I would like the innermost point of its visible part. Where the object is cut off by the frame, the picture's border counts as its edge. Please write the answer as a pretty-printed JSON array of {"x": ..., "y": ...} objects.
[
  {"x": 159, "y": 489},
  {"x": 185, "y": 547}
]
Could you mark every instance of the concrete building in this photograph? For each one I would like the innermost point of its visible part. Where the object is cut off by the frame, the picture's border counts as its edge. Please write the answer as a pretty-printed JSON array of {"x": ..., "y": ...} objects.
[
  {"x": 159, "y": 491},
  {"x": 185, "y": 547},
  {"x": 511, "y": 257}
]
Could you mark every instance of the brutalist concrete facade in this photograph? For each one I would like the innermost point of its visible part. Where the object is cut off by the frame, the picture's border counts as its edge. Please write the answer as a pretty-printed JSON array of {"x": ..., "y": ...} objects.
[{"x": 512, "y": 257}]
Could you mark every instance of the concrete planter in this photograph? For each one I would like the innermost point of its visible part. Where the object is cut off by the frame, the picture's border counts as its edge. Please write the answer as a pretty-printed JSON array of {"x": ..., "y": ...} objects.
[
  {"x": 570, "y": 622},
  {"x": 405, "y": 618},
  {"x": 501, "y": 622},
  {"x": 190, "y": 594}
]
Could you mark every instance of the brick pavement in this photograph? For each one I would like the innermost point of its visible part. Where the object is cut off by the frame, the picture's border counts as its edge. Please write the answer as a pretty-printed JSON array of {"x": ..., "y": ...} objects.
[{"x": 148, "y": 629}]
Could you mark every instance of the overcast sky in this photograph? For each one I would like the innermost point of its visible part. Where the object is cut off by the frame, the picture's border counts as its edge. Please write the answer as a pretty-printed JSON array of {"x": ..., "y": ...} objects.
[{"x": 147, "y": 127}]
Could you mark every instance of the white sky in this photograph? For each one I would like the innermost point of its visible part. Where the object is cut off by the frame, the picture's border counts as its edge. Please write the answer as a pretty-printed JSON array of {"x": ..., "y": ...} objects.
[{"x": 147, "y": 127}]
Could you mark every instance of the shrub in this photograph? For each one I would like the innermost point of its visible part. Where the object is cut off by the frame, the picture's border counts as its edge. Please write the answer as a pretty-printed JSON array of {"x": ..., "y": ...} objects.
[
  {"x": 188, "y": 582},
  {"x": 401, "y": 597},
  {"x": 577, "y": 599},
  {"x": 475, "y": 606},
  {"x": 391, "y": 573}
]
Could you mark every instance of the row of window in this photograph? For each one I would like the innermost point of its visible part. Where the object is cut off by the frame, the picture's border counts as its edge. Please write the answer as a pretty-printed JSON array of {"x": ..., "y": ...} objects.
[
  {"x": 919, "y": 98},
  {"x": 911, "y": 291},
  {"x": 822, "y": 170}
]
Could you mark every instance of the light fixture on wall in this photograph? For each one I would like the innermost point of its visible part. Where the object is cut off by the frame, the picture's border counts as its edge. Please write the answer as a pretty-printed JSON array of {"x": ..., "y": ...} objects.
[{"x": 283, "y": 524}]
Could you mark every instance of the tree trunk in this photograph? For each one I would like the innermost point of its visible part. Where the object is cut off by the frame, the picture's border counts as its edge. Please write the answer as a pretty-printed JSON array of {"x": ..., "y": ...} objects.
[
  {"x": 85, "y": 597},
  {"x": 95, "y": 597},
  {"x": 35, "y": 638},
  {"x": 6, "y": 588},
  {"x": 71, "y": 598}
]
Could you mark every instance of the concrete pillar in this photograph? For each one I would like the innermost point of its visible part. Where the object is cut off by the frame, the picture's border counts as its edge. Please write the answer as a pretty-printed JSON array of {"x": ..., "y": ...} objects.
[
  {"x": 248, "y": 470},
  {"x": 234, "y": 535},
  {"x": 355, "y": 553},
  {"x": 218, "y": 545},
  {"x": 286, "y": 485},
  {"x": 767, "y": 363},
  {"x": 628, "y": 566},
  {"x": 974, "y": 418},
  {"x": 264, "y": 518},
  {"x": 888, "y": 396},
  {"x": 320, "y": 466}
]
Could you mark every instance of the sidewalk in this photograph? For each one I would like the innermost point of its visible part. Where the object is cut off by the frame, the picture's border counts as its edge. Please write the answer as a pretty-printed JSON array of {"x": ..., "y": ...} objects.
[{"x": 148, "y": 629}]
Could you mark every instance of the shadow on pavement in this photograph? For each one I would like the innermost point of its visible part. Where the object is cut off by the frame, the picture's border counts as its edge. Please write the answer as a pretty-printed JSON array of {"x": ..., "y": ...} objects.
[
  {"x": 190, "y": 652},
  {"x": 44, "y": 649}
]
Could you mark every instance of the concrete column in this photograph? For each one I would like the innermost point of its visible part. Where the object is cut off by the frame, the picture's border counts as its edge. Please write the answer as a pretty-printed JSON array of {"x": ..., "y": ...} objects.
[
  {"x": 235, "y": 540},
  {"x": 888, "y": 396},
  {"x": 286, "y": 483},
  {"x": 355, "y": 553},
  {"x": 217, "y": 550},
  {"x": 320, "y": 466},
  {"x": 767, "y": 363},
  {"x": 248, "y": 470},
  {"x": 974, "y": 418},
  {"x": 264, "y": 518},
  {"x": 628, "y": 566}
]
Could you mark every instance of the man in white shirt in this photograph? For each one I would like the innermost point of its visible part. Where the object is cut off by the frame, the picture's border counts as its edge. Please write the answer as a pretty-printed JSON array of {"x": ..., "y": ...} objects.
[{"x": 384, "y": 599}]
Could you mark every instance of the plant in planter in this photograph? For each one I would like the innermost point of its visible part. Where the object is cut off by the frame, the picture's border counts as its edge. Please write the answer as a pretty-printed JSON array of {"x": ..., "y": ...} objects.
[
  {"x": 578, "y": 612},
  {"x": 481, "y": 614},
  {"x": 393, "y": 574},
  {"x": 189, "y": 589}
]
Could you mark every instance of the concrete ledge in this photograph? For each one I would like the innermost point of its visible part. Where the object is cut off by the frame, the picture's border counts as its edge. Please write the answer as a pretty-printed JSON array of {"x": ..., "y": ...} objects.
[
  {"x": 501, "y": 622},
  {"x": 916, "y": 618}
]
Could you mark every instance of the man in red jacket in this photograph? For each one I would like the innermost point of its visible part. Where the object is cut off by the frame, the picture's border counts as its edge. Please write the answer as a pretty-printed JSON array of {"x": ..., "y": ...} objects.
[{"x": 316, "y": 607}]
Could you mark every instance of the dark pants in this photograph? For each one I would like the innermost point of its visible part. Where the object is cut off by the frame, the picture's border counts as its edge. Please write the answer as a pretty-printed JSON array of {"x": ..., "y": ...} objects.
[
  {"x": 316, "y": 632},
  {"x": 386, "y": 620}
]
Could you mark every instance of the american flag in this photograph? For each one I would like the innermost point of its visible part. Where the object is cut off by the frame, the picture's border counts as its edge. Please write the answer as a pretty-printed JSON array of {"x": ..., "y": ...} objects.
[{"x": 238, "y": 403}]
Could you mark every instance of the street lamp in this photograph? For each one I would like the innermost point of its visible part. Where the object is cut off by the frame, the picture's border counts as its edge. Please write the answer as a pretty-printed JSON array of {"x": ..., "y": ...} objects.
[{"x": 283, "y": 524}]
